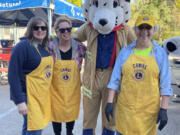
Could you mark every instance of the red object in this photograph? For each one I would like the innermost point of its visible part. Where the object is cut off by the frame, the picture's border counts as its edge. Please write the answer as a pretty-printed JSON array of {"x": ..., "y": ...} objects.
[
  {"x": 5, "y": 54},
  {"x": 115, "y": 29},
  {"x": 5, "y": 57},
  {"x": 6, "y": 50},
  {"x": 113, "y": 57},
  {"x": 3, "y": 69}
]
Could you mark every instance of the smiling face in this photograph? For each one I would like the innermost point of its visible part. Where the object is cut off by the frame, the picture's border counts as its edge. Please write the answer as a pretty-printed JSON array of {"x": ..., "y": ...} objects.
[
  {"x": 144, "y": 33},
  {"x": 39, "y": 31},
  {"x": 64, "y": 31}
]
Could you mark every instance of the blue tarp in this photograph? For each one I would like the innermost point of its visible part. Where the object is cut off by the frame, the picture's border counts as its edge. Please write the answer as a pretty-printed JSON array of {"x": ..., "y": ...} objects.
[
  {"x": 19, "y": 12},
  {"x": 63, "y": 7}
]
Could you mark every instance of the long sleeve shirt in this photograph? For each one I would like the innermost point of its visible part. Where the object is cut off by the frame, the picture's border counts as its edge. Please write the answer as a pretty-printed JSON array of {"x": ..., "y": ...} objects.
[
  {"x": 162, "y": 62},
  {"x": 105, "y": 50},
  {"x": 24, "y": 59},
  {"x": 77, "y": 48}
]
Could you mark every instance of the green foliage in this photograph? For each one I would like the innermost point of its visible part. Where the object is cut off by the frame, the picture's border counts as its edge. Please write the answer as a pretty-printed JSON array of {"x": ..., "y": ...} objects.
[{"x": 164, "y": 14}]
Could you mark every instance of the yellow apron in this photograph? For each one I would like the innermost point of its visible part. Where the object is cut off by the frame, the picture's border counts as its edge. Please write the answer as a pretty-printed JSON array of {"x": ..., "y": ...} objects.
[
  {"x": 38, "y": 84},
  {"x": 139, "y": 99},
  {"x": 65, "y": 91}
]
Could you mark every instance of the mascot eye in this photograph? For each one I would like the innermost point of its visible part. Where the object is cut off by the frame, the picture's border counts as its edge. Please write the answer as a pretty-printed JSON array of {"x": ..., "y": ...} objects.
[
  {"x": 115, "y": 4},
  {"x": 95, "y": 2}
]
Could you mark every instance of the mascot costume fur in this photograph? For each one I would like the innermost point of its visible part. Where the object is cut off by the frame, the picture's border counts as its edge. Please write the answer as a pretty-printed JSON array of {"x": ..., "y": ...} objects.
[
  {"x": 106, "y": 33},
  {"x": 172, "y": 47}
]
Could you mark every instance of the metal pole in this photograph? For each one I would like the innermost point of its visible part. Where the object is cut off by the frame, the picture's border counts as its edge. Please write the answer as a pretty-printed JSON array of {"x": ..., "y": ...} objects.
[
  {"x": 50, "y": 21},
  {"x": 50, "y": 12}
]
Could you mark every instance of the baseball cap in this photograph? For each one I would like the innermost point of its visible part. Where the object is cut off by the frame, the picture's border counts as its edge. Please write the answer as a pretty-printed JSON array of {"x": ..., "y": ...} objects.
[{"x": 145, "y": 19}]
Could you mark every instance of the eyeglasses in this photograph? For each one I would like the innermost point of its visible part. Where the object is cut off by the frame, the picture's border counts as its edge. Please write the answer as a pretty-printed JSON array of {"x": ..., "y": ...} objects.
[
  {"x": 36, "y": 28},
  {"x": 62, "y": 30},
  {"x": 147, "y": 27}
]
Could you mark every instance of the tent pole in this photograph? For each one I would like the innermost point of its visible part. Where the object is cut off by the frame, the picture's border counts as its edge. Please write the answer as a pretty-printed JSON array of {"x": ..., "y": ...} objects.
[
  {"x": 50, "y": 21},
  {"x": 50, "y": 17}
]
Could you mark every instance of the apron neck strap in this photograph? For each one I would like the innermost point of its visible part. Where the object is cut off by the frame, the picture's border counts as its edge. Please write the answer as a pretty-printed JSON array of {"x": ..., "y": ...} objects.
[{"x": 38, "y": 51}]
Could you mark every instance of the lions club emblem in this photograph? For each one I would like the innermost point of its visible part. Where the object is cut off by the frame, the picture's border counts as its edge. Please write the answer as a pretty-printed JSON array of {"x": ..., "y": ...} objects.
[
  {"x": 138, "y": 75},
  {"x": 65, "y": 77},
  {"x": 48, "y": 74},
  {"x": 47, "y": 71}
]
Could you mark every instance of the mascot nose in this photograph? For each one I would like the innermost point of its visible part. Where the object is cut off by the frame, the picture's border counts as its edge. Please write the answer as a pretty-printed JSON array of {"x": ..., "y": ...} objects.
[{"x": 103, "y": 22}]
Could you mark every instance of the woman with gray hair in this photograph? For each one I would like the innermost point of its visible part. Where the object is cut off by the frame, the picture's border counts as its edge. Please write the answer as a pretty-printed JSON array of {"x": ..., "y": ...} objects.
[
  {"x": 30, "y": 75},
  {"x": 66, "y": 83}
]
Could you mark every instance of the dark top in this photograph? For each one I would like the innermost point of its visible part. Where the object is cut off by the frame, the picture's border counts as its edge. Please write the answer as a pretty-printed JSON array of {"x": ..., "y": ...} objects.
[
  {"x": 66, "y": 55},
  {"x": 105, "y": 50},
  {"x": 24, "y": 59}
]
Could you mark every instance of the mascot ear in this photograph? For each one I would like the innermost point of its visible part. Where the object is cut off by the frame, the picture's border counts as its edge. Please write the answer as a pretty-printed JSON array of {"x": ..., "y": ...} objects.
[{"x": 128, "y": 1}]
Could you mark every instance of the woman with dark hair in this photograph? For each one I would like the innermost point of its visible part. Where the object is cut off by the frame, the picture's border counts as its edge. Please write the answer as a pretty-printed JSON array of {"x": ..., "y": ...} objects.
[{"x": 30, "y": 75}]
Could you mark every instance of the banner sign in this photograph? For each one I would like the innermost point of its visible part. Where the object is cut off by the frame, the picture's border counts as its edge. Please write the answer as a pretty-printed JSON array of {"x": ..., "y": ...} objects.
[{"x": 7, "y": 5}]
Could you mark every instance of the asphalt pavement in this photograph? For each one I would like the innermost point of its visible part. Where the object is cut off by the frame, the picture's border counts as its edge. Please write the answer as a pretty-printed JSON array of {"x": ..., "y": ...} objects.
[{"x": 11, "y": 121}]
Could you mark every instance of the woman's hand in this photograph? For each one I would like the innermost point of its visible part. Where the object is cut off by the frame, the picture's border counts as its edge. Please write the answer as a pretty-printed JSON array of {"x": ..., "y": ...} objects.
[
  {"x": 22, "y": 108},
  {"x": 162, "y": 118}
]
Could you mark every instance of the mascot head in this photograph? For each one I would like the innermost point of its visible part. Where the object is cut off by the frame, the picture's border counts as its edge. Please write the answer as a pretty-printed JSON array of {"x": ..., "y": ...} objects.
[
  {"x": 172, "y": 45},
  {"x": 106, "y": 15}
]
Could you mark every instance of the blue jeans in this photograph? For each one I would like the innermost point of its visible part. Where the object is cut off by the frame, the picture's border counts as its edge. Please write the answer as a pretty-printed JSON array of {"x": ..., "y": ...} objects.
[{"x": 32, "y": 132}]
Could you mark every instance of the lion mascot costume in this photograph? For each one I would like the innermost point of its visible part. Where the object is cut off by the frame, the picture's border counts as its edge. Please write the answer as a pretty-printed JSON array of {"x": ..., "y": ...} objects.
[{"x": 106, "y": 33}]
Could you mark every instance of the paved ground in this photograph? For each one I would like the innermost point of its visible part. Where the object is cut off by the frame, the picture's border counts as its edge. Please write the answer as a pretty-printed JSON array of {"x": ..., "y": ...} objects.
[{"x": 11, "y": 121}]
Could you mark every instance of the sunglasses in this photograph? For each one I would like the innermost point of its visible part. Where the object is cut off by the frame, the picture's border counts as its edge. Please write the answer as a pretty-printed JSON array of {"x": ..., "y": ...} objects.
[
  {"x": 147, "y": 27},
  {"x": 36, "y": 28},
  {"x": 62, "y": 30}
]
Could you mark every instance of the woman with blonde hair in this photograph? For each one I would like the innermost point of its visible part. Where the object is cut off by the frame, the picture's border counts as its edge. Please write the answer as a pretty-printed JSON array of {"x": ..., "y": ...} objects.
[{"x": 66, "y": 83}]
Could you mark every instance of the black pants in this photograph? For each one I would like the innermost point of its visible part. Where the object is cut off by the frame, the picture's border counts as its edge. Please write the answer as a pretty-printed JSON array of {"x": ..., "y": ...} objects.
[{"x": 57, "y": 128}]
